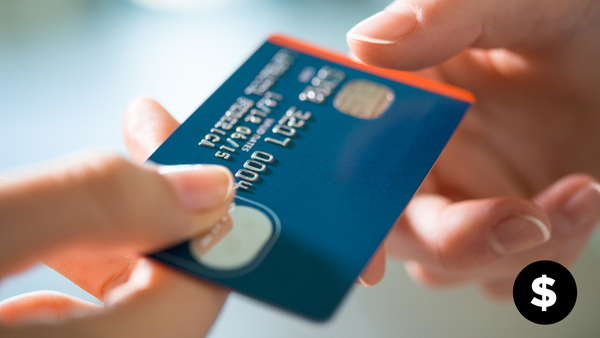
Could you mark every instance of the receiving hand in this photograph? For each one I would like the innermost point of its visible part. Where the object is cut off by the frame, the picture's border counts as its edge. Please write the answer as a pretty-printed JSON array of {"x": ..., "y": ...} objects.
[{"x": 517, "y": 182}]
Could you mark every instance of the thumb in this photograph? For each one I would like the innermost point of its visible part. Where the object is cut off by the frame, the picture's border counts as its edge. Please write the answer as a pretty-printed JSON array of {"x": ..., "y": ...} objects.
[
  {"x": 414, "y": 34},
  {"x": 104, "y": 201}
]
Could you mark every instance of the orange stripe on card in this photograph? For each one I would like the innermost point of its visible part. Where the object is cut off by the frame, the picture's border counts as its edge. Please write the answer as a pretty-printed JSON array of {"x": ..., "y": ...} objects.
[{"x": 395, "y": 75}]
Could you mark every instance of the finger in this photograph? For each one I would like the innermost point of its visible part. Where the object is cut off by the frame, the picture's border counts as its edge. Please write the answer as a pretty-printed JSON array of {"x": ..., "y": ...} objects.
[
  {"x": 96, "y": 272},
  {"x": 573, "y": 205},
  {"x": 104, "y": 201},
  {"x": 99, "y": 272},
  {"x": 202, "y": 244},
  {"x": 374, "y": 270},
  {"x": 414, "y": 34},
  {"x": 151, "y": 295},
  {"x": 43, "y": 307},
  {"x": 146, "y": 125},
  {"x": 155, "y": 302},
  {"x": 464, "y": 235}
]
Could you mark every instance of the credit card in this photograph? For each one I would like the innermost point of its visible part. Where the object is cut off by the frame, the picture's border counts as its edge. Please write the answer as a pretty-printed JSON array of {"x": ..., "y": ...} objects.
[{"x": 327, "y": 152}]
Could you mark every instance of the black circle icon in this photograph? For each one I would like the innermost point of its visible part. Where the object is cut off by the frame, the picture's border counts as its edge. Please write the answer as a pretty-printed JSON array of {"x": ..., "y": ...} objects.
[{"x": 545, "y": 292}]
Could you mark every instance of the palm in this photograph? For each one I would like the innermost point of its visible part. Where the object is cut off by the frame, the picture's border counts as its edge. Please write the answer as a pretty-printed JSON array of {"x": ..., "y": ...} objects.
[
  {"x": 516, "y": 141},
  {"x": 523, "y": 134}
]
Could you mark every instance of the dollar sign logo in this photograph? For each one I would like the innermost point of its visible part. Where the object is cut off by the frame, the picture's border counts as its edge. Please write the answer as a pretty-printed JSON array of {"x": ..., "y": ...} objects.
[{"x": 548, "y": 296}]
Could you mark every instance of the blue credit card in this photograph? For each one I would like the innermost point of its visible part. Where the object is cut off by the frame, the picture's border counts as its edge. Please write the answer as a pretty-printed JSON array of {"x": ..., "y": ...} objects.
[{"x": 327, "y": 152}]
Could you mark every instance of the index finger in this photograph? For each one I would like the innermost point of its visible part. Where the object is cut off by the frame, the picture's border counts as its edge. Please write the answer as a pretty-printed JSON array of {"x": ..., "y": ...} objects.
[
  {"x": 414, "y": 34},
  {"x": 146, "y": 125}
]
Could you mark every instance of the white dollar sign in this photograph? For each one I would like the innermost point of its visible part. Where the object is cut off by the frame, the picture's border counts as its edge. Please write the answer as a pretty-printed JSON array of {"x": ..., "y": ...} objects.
[{"x": 539, "y": 286}]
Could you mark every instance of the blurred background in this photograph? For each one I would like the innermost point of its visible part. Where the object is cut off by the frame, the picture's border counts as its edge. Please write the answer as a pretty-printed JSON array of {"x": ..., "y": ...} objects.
[{"x": 68, "y": 68}]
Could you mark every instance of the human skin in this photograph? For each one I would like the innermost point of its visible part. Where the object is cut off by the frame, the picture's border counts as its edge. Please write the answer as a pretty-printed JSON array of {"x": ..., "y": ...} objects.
[
  {"x": 89, "y": 217},
  {"x": 527, "y": 148},
  {"x": 517, "y": 182}
]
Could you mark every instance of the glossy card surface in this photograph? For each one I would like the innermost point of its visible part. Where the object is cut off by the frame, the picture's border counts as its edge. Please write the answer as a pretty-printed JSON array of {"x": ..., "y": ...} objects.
[{"x": 318, "y": 189}]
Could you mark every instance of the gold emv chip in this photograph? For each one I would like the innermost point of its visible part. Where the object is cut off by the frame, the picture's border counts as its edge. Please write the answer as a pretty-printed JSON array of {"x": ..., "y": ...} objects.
[{"x": 363, "y": 99}]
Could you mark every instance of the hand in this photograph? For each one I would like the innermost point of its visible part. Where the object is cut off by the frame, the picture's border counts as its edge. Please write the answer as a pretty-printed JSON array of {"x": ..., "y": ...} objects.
[
  {"x": 147, "y": 125},
  {"x": 504, "y": 192},
  {"x": 89, "y": 217}
]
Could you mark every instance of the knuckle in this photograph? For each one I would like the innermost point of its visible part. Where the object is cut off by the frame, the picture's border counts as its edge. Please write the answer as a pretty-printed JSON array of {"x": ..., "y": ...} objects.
[
  {"x": 96, "y": 168},
  {"x": 102, "y": 183},
  {"x": 103, "y": 177}
]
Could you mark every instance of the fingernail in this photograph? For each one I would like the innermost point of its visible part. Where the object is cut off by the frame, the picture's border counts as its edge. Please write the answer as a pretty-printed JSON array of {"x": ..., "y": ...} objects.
[
  {"x": 199, "y": 187},
  {"x": 386, "y": 27},
  {"x": 362, "y": 282},
  {"x": 518, "y": 233},
  {"x": 584, "y": 206}
]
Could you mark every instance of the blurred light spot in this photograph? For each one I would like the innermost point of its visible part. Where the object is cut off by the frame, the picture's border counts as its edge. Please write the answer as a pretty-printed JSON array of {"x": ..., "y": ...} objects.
[{"x": 181, "y": 5}]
